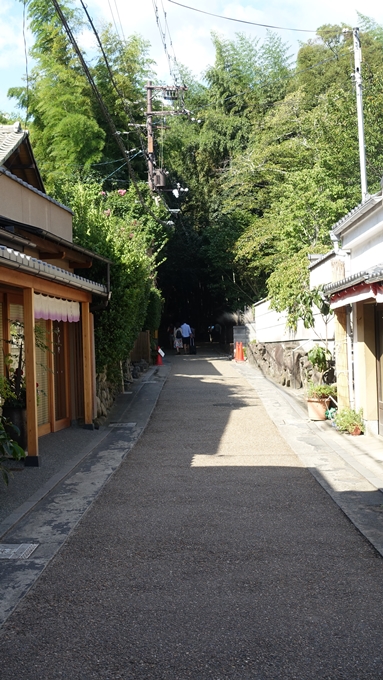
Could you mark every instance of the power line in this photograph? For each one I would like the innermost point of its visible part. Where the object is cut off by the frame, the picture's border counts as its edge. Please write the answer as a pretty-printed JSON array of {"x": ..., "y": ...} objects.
[
  {"x": 136, "y": 125},
  {"x": 114, "y": 21},
  {"x": 242, "y": 21},
  {"x": 113, "y": 81},
  {"x": 116, "y": 135},
  {"x": 172, "y": 61},
  {"x": 26, "y": 63},
  {"x": 119, "y": 19}
]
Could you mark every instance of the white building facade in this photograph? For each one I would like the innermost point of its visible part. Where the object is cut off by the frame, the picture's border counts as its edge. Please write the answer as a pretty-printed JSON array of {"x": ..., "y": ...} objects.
[{"x": 356, "y": 297}]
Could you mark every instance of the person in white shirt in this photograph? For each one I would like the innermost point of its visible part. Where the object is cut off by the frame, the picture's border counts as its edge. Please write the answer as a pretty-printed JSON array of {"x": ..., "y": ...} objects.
[{"x": 186, "y": 333}]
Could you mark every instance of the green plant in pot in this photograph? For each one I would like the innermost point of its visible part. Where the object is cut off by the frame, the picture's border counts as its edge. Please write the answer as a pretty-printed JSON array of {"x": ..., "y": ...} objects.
[
  {"x": 12, "y": 387},
  {"x": 321, "y": 391},
  {"x": 319, "y": 396},
  {"x": 348, "y": 420},
  {"x": 12, "y": 384}
]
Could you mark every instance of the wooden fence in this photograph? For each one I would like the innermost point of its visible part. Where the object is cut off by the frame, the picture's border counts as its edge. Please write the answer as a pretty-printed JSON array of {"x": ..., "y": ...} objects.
[{"x": 141, "y": 349}]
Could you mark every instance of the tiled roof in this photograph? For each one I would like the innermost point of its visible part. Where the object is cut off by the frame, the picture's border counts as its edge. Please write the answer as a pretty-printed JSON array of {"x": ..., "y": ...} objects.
[
  {"x": 11, "y": 137},
  {"x": 15, "y": 260},
  {"x": 372, "y": 275},
  {"x": 358, "y": 211}
]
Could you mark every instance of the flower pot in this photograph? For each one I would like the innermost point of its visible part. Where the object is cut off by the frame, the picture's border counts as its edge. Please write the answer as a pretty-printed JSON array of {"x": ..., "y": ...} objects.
[
  {"x": 356, "y": 431},
  {"x": 18, "y": 417},
  {"x": 317, "y": 408}
]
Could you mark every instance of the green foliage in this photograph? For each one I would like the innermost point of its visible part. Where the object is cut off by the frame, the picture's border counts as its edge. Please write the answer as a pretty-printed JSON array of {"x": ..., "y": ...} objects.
[
  {"x": 154, "y": 310},
  {"x": 9, "y": 449},
  {"x": 269, "y": 153},
  {"x": 68, "y": 130},
  {"x": 115, "y": 225},
  {"x": 347, "y": 420},
  {"x": 321, "y": 391},
  {"x": 319, "y": 357}
]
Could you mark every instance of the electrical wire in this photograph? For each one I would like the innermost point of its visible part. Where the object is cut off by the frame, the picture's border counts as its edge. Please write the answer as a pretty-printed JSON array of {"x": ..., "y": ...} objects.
[
  {"x": 116, "y": 135},
  {"x": 114, "y": 21},
  {"x": 113, "y": 81},
  {"x": 26, "y": 63},
  {"x": 136, "y": 125},
  {"x": 119, "y": 20},
  {"x": 174, "y": 68},
  {"x": 242, "y": 21},
  {"x": 172, "y": 62}
]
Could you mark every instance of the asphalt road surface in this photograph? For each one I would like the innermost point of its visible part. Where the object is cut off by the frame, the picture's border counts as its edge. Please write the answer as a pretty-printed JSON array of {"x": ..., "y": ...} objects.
[{"x": 212, "y": 553}]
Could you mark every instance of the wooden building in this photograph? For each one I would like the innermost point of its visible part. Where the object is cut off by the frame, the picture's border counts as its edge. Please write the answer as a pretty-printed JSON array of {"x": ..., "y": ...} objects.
[{"x": 39, "y": 287}]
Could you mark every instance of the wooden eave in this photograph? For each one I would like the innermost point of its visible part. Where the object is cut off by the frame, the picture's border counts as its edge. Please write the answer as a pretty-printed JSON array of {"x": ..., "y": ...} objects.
[{"x": 22, "y": 164}]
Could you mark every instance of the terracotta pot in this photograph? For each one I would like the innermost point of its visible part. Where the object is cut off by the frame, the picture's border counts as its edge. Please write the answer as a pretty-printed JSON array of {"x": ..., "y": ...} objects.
[
  {"x": 356, "y": 431},
  {"x": 317, "y": 408}
]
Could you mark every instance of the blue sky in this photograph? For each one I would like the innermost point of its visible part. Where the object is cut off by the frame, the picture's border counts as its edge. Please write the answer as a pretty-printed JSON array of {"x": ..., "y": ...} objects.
[{"x": 190, "y": 31}]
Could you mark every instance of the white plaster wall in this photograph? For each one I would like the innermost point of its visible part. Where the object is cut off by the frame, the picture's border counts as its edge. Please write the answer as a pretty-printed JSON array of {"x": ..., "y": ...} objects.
[
  {"x": 270, "y": 326},
  {"x": 368, "y": 227},
  {"x": 367, "y": 254}
]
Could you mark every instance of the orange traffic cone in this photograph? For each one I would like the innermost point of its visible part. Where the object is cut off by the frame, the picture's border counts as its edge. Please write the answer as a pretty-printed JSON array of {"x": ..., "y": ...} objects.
[
  {"x": 239, "y": 354},
  {"x": 159, "y": 361}
]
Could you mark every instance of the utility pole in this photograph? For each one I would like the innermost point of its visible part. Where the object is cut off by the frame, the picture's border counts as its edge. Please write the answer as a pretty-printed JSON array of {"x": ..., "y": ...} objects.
[
  {"x": 359, "y": 108},
  {"x": 149, "y": 127},
  {"x": 171, "y": 92}
]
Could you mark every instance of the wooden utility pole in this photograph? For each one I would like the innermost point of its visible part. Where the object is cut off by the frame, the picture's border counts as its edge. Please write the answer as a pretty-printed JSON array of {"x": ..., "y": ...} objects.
[
  {"x": 172, "y": 92},
  {"x": 149, "y": 127}
]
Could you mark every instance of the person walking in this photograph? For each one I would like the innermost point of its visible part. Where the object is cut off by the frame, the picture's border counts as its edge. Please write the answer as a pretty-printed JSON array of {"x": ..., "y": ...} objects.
[
  {"x": 178, "y": 342},
  {"x": 186, "y": 333}
]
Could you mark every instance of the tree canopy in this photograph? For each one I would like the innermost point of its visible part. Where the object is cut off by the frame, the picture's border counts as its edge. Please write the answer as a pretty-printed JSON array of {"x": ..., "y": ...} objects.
[{"x": 268, "y": 152}]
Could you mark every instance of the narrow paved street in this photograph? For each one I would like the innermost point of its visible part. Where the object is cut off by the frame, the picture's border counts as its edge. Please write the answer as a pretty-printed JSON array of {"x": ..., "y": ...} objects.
[{"x": 211, "y": 553}]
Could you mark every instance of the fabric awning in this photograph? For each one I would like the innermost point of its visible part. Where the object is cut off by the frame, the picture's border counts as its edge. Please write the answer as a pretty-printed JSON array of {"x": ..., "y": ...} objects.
[{"x": 56, "y": 309}]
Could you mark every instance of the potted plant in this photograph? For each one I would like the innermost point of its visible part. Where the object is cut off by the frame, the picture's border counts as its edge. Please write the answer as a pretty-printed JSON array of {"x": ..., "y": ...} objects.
[
  {"x": 12, "y": 384},
  {"x": 348, "y": 420},
  {"x": 318, "y": 400},
  {"x": 320, "y": 396},
  {"x": 9, "y": 448}
]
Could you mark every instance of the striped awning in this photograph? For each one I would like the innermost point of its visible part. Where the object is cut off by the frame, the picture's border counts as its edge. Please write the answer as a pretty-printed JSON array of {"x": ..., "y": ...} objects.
[{"x": 56, "y": 309}]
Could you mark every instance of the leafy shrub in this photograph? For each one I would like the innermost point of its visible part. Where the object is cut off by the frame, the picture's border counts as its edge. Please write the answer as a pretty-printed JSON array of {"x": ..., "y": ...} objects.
[
  {"x": 319, "y": 357},
  {"x": 9, "y": 449},
  {"x": 321, "y": 391},
  {"x": 115, "y": 224},
  {"x": 154, "y": 310}
]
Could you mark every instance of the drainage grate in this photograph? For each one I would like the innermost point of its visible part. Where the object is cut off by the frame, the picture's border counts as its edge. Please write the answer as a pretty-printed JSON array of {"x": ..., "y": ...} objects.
[
  {"x": 119, "y": 425},
  {"x": 17, "y": 552}
]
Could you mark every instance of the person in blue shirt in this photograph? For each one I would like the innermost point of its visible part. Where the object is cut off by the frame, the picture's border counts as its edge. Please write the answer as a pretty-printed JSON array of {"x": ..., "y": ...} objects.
[{"x": 186, "y": 333}]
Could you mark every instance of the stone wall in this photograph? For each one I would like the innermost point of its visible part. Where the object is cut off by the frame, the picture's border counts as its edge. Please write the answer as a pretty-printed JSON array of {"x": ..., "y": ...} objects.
[
  {"x": 106, "y": 393},
  {"x": 285, "y": 363}
]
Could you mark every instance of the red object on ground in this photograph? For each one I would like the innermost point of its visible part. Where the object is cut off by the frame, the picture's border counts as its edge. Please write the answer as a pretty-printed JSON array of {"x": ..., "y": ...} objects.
[
  {"x": 159, "y": 361},
  {"x": 239, "y": 355}
]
